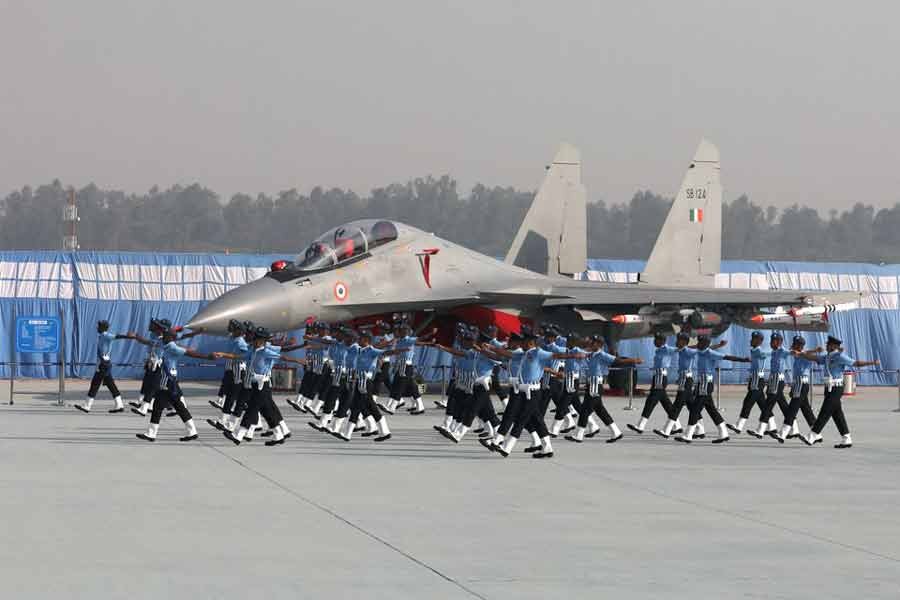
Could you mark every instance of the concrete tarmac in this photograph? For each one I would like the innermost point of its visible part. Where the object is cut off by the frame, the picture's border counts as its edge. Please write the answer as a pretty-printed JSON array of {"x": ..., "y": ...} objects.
[{"x": 89, "y": 511}]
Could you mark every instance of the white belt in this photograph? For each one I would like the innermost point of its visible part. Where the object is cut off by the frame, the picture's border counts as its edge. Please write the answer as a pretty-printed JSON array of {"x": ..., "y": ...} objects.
[
  {"x": 105, "y": 357},
  {"x": 484, "y": 382},
  {"x": 661, "y": 372},
  {"x": 527, "y": 388},
  {"x": 260, "y": 380},
  {"x": 571, "y": 382},
  {"x": 362, "y": 382},
  {"x": 595, "y": 382},
  {"x": 833, "y": 382},
  {"x": 154, "y": 363}
]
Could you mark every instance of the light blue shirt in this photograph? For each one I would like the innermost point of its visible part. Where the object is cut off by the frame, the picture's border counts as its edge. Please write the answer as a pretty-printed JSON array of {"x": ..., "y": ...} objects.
[
  {"x": 662, "y": 358},
  {"x": 104, "y": 344},
  {"x": 758, "y": 358},
  {"x": 801, "y": 367},
  {"x": 686, "y": 358},
  {"x": 835, "y": 363},
  {"x": 351, "y": 355},
  {"x": 239, "y": 345},
  {"x": 484, "y": 366},
  {"x": 574, "y": 365},
  {"x": 707, "y": 361},
  {"x": 534, "y": 362},
  {"x": 337, "y": 352},
  {"x": 264, "y": 359},
  {"x": 598, "y": 363},
  {"x": 515, "y": 363},
  {"x": 171, "y": 352},
  {"x": 367, "y": 358},
  {"x": 408, "y": 345},
  {"x": 778, "y": 361}
]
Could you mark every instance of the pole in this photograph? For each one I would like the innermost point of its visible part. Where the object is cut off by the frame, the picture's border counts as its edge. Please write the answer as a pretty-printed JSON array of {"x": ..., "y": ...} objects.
[
  {"x": 718, "y": 389},
  {"x": 630, "y": 383},
  {"x": 62, "y": 360},
  {"x": 898, "y": 391},
  {"x": 12, "y": 358}
]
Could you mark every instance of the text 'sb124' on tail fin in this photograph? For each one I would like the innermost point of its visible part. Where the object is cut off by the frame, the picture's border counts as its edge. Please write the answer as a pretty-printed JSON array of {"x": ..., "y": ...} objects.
[
  {"x": 688, "y": 251},
  {"x": 552, "y": 239}
]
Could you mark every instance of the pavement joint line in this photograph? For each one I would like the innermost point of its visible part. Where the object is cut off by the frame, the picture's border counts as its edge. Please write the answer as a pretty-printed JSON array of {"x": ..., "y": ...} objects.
[
  {"x": 334, "y": 514},
  {"x": 737, "y": 515}
]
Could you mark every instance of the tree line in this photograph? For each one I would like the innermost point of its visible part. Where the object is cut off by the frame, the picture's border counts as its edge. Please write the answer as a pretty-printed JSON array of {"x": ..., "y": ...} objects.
[{"x": 195, "y": 219}]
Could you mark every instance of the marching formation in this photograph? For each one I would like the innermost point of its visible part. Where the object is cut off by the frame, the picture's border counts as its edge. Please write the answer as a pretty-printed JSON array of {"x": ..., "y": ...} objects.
[{"x": 354, "y": 378}]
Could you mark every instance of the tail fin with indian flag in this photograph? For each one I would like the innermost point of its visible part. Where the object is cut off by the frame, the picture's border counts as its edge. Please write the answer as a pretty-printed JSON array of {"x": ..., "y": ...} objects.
[{"x": 688, "y": 251}]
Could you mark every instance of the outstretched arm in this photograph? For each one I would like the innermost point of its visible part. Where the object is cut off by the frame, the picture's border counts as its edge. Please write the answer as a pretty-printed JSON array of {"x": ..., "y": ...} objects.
[
  {"x": 867, "y": 363},
  {"x": 193, "y": 333},
  {"x": 629, "y": 361},
  {"x": 290, "y": 359},
  {"x": 133, "y": 336},
  {"x": 740, "y": 359},
  {"x": 449, "y": 350},
  {"x": 194, "y": 354}
]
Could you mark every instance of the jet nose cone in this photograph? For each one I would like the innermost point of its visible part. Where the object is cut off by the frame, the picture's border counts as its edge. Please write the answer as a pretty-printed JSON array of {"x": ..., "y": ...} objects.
[{"x": 263, "y": 301}]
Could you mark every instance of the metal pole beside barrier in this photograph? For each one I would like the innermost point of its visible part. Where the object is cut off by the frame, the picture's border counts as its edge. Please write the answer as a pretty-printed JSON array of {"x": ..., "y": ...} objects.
[
  {"x": 62, "y": 360},
  {"x": 630, "y": 383},
  {"x": 719, "y": 389},
  {"x": 897, "y": 410},
  {"x": 12, "y": 358}
]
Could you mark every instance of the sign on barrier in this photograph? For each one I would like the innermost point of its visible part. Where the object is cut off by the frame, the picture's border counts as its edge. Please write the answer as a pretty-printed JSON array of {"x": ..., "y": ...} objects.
[{"x": 38, "y": 335}]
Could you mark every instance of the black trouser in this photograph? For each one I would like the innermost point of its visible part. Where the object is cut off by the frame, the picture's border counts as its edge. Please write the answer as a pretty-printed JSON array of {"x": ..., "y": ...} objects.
[
  {"x": 704, "y": 401},
  {"x": 233, "y": 394},
  {"x": 529, "y": 415},
  {"x": 404, "y": 385},
  {"x": 309, "y": 383},
  {"x": 382, "y": 379},
  {"x": 364, "y": 404},
  {"x": 832, "y": 409},
  {"x": 260, "y": 402},
  {"x": 484, "y": 407},
  {"x": 455, "y": 402},
  {"x": 462, "y": 403},
  {"x": 682, "y": 397},
  {"x": 324, "y": 383},
  {"x": 800, "y": 402},
  {"x": 593, "y": 404},
  {"x": 166, "y": 397},
  {"x": 771, "y": 399},
  {"x": 345, "y": 398},
  {"x": 332, "y": 396},
  {"x": 553, "y": 391},
  {"x": 656, "y": 396},
  {"x": 227, "y": 380},
  {"x": 513, "y": 411},
  {"x": 754, "y": 396},
  {"x": 495, "y": 384},
  {"x": 150, "y": 383},
  {"x": 568, "y": 399},
  {"x": 103, "y": 375}
]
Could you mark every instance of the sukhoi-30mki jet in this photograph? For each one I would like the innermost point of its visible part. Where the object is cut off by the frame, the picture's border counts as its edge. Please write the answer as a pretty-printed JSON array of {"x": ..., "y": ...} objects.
[{"x": 378, "y": 267}]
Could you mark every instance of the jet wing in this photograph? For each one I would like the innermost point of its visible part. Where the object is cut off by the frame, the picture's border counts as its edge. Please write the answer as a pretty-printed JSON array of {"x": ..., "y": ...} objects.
[{"x": 603, "y": 294}]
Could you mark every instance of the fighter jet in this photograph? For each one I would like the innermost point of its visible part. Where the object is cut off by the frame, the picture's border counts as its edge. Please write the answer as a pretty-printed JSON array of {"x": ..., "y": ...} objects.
[{"x": 377, "y": 267}]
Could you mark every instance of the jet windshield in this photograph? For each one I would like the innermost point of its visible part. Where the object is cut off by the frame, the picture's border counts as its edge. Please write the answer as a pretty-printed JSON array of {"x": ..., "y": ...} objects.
[{"x": 344, "y": 243}]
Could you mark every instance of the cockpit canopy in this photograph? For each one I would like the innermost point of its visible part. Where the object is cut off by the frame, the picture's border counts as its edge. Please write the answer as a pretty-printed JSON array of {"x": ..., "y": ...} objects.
[{"x": 343, "y": 244}]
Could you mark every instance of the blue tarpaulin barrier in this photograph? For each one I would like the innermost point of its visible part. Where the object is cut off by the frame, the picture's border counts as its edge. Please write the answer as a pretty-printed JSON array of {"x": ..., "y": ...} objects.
[{"x": 128, "y": 288}]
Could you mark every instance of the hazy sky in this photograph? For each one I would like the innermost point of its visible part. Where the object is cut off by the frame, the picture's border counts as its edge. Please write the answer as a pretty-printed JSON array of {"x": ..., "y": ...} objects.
[{"x": 802, "y": 98}]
